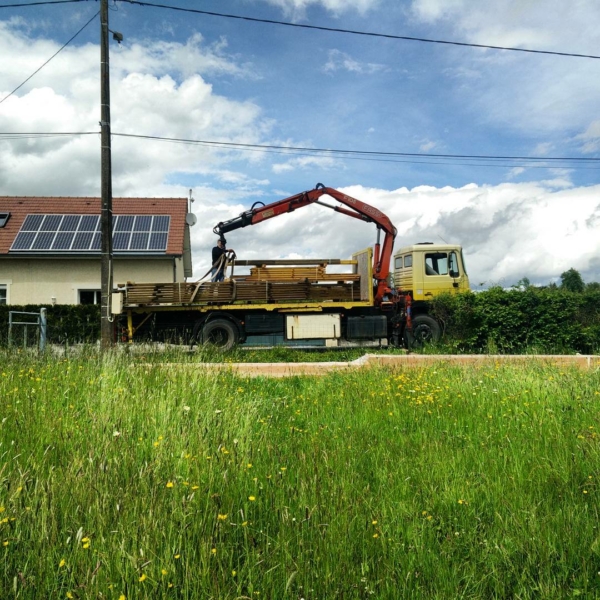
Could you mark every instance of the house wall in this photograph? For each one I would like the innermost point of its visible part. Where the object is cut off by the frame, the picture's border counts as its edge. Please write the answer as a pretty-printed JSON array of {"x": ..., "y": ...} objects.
[{"x": 37, "y": 281}]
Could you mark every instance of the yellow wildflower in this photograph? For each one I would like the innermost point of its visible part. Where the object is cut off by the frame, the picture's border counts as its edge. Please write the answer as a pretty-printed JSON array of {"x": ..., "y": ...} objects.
[
  {"x": 251, "y": 498},
  {"x": 62, "y": 563},
  {"x": 169, "y": 484},
  {"x": 143, "y": 577}
]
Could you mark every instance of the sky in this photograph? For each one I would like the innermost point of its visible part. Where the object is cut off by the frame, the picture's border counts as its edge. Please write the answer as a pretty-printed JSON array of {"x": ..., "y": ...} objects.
[{"x": 270, "y": 87}]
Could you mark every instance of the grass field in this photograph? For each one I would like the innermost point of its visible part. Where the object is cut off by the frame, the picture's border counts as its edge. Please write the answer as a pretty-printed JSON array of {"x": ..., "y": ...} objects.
[{"x": 120, "y": 478}]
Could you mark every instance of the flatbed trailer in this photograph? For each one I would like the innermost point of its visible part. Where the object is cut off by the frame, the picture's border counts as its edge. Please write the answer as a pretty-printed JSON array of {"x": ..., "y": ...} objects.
[{"x": 284, "y": 301}]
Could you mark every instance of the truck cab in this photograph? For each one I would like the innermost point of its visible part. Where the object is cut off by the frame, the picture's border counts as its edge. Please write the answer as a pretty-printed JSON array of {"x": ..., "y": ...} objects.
[{"x": 425, "y": 270}]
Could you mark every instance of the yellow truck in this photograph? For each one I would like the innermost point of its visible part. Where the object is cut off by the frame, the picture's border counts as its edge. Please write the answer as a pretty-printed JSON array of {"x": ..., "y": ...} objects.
[
  {"x": 301, "y": 302},
  {"x": 423, "y": 271}
]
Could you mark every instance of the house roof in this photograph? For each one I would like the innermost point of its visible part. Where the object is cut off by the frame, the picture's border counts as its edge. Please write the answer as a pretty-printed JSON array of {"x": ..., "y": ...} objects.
[{"x": 20, "y": 207}]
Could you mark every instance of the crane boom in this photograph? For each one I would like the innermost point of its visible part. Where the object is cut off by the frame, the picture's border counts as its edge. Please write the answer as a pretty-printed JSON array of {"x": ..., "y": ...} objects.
[{"x": 356, "y": 208}]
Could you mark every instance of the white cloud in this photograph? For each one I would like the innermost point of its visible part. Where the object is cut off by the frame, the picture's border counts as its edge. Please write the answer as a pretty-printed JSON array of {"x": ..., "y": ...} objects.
[
  {"x": 340, "y": 61},
  {"x": 590, "y": 137},
  {"x": 146, "y": 99},
  {"x": 508, "y": 231},
  {"x": 428, "y": 145},
  {"x": 304, "y": 162},
  {"x": 297, "y": 8}
]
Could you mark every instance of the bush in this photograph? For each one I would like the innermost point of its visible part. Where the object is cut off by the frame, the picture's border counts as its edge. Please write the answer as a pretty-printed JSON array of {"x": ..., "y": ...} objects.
[{"x": 518, "y": 321}]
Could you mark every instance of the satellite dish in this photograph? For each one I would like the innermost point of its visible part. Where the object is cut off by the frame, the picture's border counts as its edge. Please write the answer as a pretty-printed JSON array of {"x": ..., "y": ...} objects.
[{"x": 191, "y": 219}]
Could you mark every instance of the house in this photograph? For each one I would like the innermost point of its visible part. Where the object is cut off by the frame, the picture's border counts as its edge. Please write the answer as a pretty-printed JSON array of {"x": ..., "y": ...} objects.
[{"x": 50, "y": 247}]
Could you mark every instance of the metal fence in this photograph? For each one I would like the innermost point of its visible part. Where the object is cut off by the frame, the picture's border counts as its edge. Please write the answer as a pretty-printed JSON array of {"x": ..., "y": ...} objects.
[{"x": 40, "y": 323}]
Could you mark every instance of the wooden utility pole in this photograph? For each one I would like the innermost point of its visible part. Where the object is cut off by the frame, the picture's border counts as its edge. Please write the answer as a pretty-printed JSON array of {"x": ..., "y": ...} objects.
[{"x": 106, "y": 328}]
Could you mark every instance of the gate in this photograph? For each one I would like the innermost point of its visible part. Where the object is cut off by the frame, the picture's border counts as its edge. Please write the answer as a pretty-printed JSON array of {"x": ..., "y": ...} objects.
[{"x": 39, "y": 322}]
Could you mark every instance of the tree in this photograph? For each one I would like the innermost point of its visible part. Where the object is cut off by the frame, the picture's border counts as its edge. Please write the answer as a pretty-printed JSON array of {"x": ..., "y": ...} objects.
[
  {"x": 593, "y": 286},
  {"x": 572, "y": 281}
]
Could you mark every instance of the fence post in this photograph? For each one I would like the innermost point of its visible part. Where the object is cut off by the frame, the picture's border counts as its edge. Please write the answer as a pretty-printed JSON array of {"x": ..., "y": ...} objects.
[
  {"x": 10, "y": 314},
  {"x": 43, "y": 324}
]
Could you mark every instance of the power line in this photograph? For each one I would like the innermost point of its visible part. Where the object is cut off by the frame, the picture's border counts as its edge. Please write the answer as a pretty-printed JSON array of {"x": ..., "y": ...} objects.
[
  {"x": 236, "y": 145},
  {"x": 529, "y": 162},
  {"x": 355, "y": 32},
  {"x": 40, "y": 3},
  {"x": 59, "y": 50}
]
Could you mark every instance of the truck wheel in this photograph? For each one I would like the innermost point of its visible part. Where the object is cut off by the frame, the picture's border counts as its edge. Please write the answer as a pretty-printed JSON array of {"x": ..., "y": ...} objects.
[
  {"x": 221, "y": 334},
  {"x": 425, "y": 330}
]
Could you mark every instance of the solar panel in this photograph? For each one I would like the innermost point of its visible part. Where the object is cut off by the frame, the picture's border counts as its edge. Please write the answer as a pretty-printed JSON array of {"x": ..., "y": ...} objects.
[
  {"x": 81, "y": 233},
  {"x": 51, "y": 222},
  {"x": 142, "y": 223},
  {"x": 160, "y": 223},
  {"x": 63, "y": 240},
  {"x": 158, "y": 241},
  {"x": 69, "y": 223},
  {"x": 32, "y": 222},
  {"x": 121, "y": 240},
  {"x": 23, "y": 241},
  {"x": 89, "y": 223},
  {"x": 139, "y": 240},
  {"x": 43, "y": 240},
  {"x": 82, "y": 240}
]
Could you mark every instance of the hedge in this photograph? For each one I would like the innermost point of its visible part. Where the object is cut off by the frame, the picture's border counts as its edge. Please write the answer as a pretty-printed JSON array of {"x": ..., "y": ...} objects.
[
  {"x": 519, "y": 321},
  {"x": 67, "y": 323}
]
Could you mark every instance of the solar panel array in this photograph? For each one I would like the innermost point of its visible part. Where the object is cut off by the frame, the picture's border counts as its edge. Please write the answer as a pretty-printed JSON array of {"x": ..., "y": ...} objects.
[{"x": 81, "y": 233}]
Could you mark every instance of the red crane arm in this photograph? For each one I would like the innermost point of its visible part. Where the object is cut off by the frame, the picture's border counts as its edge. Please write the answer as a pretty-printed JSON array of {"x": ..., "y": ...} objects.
[{"x": 358, "y": 209}]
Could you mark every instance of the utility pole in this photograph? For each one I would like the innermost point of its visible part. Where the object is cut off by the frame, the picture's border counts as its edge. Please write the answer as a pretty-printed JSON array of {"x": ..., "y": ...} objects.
[{"x": 106, "y": 329}]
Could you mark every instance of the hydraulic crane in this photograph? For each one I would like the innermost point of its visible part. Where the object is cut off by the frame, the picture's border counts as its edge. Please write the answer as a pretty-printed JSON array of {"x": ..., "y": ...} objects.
[{"x": 357, "y": 209}]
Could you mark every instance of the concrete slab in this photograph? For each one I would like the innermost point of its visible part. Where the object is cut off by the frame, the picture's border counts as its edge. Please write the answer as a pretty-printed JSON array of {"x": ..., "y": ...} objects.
[{"x": 588, "y": 362}]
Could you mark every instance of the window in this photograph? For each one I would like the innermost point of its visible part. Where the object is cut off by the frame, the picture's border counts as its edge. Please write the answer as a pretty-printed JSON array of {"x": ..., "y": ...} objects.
[
  {"x": 398, "y": 262},
  {"x": 436, "y": 263},
  {"x": 89, "y": 296},
  {"x": 4, "y": 218},
  {"x": 3, "y": 293},
  {"x": 408, "y": 261}
]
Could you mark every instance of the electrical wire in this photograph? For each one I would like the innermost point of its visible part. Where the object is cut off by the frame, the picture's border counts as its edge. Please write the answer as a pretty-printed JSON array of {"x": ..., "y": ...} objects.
[
  {"x": 362, "y": 152},
  {"x": 474, "y": 160},
  {"x": 355, "y": 32},
  {"x": 41, "y": 3},
  {"x": 59, "y": 50}
]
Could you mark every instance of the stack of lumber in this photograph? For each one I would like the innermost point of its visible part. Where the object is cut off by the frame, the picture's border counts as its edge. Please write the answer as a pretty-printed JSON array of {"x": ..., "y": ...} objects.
[
  {"x": 316, "y": 273},
  {"x": 264, "y": 285},
  {"x": 158, "y": 293}
]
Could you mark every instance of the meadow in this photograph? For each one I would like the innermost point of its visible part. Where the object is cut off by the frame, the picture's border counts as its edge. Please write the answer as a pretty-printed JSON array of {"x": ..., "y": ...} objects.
[{"x": 123, "y": 477}]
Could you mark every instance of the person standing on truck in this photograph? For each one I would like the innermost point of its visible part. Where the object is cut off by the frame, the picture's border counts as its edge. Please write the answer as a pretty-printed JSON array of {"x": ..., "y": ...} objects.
[{"x": 218, "y": 261}]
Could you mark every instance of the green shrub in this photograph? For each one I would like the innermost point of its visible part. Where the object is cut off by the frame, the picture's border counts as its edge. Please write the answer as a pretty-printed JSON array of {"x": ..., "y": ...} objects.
[{"x": 517, "y": 321}]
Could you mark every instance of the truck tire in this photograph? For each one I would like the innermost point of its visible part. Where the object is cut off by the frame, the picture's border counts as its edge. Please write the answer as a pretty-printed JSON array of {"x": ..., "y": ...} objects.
[
  {"x": 425, "y": 330},
  {"x": 221, "y": 334}
]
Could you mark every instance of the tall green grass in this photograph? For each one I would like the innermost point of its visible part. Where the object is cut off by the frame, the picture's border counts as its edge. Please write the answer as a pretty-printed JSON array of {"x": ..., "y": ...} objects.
[{"x": 124, "y": 478}]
